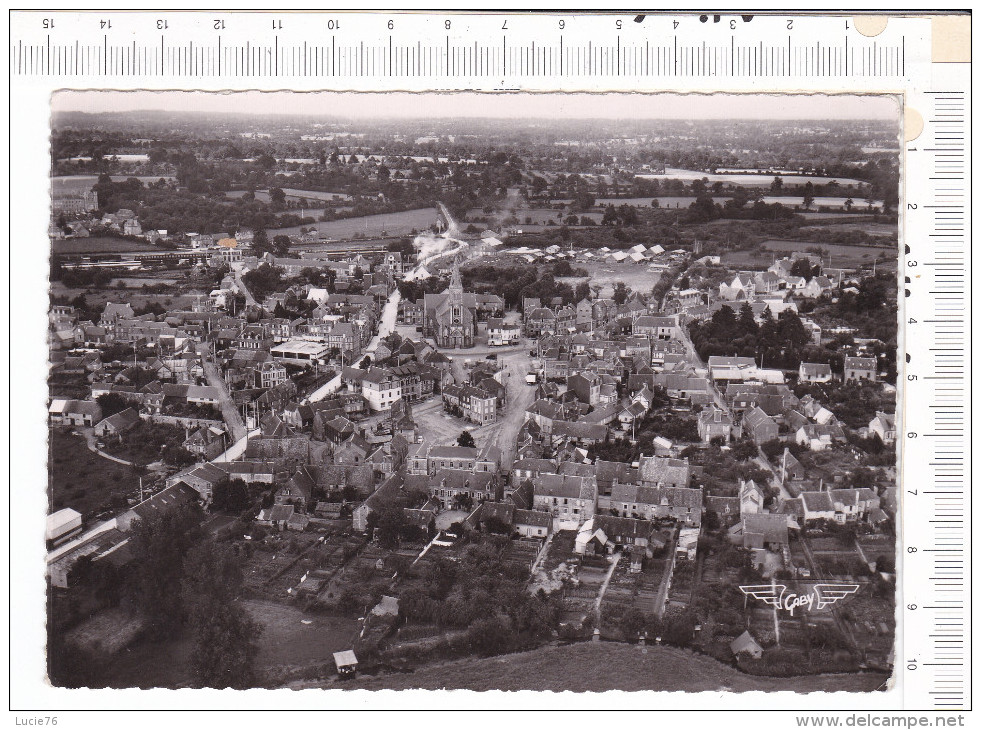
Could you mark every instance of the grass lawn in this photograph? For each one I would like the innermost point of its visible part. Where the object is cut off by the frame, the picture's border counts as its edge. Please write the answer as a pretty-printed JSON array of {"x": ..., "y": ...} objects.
[
  {"x": 587, "y": 668},
  {"x": 636, "y": 276},
  {"x": 382, "y": 224},
  {"x": 137, "y": 298},
  {"x": 99, "y": 244},
  {"x": 286, "y": 642},
  {"x": 144, "y": 442},
  {"x": 842, "y": 255},
  {"x": 79, "y": 479}
]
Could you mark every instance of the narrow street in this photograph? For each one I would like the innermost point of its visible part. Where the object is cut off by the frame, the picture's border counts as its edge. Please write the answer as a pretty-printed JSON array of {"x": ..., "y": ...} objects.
[
  {"x": 662, "y": 591},
  {"x": 237, "y": 271},
  {"x": 520, "y": 396},
  {"x": 386, "y": 323},
  {"x": 606, "y": 584},
  {"x": 229, "y": 412}
]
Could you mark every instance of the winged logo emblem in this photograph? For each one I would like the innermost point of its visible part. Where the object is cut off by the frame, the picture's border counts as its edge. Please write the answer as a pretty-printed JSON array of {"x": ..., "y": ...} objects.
[
  {"x": 770, "y": 593},
  {"x": 821, "y": 595},
  {"x": 830, "y": 593}
]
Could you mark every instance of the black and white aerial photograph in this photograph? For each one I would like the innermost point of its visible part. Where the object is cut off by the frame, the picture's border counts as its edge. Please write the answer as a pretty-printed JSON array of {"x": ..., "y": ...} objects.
[{"x": 549, "y": 392}]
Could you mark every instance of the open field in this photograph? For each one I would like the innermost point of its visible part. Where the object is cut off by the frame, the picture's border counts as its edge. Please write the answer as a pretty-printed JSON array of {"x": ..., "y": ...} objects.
[
  {"x": 637, "y": 276},
  {"x": 747, "y": 179},
  {"x": 286, "y": 642},
  {"x": 97, "y": 298},
  {"x": 82, "y": 480},
  {"x": 84, "y": 183},
  {"x": 873, "y": 229},
  {"x": 602, "y": 273},
  {"x": 383, "y": 224},
  {"x": 530, "y": 216},
  {"x": 98, "y": 244},
  {"x": 587, "y": 668},
  {"x": 841, "y": 255}
]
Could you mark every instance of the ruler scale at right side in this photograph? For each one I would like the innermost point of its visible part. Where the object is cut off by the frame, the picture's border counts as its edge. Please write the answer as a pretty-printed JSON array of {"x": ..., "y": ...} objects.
[{"x": 936, "y": 472}]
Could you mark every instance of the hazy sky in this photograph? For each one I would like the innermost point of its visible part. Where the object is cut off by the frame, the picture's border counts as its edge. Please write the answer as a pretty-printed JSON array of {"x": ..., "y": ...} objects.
[{"x": 512, "y": 105}]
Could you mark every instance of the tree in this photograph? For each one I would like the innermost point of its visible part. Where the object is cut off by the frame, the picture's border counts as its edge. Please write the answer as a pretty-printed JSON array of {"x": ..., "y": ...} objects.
[
  {"x": 802, "y": 267},
  {"x": 747, "y": 322},
  {"x": 111, "y": 403},
  {"x": 463, "y": 501},
  {"x": 620, "y": 293},
  {"x": 176, "y": 455},
  {"x": 609, "y": 216},
  {"x": 226, "y": 637},
  {"x": 777, "y": 185},
  {"x": 388, "y": 524},
  {"x": 744, "y": 449},
  {"x": 724, "y": 324},
  {"x": 159, "y": 543},
  {"x": 277, "y": 197},
  {"x": 582, "y": 291},
  {"x": 231, "y": 495},
  {"x": 466, "y": 440},
  {"x": 260, "y": 241},
  {"x": 792, "y": 330},
  {"x": 678, "y": 628},
  {"x": 280, "y": 245},
  {"x": 490, "y": 636}
]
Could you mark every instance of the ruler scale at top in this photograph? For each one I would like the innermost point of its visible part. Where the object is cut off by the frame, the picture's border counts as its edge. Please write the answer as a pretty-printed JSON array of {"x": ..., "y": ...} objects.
[
  {"x": 401, "y": 46},
  {"x": 386, "y": 51}
]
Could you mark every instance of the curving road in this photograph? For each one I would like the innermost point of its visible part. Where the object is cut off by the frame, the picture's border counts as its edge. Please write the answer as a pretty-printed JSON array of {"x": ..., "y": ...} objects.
[{"x": 237, "y": 271}]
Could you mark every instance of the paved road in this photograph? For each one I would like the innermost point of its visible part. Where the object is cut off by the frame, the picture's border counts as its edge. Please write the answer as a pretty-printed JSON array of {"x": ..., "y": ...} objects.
[
  {"x": 229, "y": 411},
  {"x": 237, "y": 271},
  {"x": 386, "y": 323},
  {"x": 520, "y": 397},
  {"x": 90, "y": 440}
]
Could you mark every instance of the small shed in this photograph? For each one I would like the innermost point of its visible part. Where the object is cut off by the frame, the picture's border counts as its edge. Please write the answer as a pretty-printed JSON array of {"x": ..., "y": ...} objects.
[
  {"x": 746, "y": 644},
  {"x": 347, "y": 664}
]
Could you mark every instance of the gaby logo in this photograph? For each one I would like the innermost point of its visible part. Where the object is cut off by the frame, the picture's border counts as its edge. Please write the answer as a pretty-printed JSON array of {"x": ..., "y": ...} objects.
[{"x": 821, "y": 596}]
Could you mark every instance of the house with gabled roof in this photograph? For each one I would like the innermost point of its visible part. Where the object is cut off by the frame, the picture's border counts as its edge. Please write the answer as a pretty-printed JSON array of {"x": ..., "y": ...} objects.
[
  {"x": 860, "y": 368},
  {"x": 658, "y": 471},
  {"x": 760, "y": 426},
  {"x": 623, "y": 531},
  {"x": 353, "y": 451},
  {"x": 817, "y": 287},
  {"x": 884, "y": 426},
  {"x": 854, "y": 504},
  {"x": 751, "y": 498},
  {"x": 450, "y": 486},
  {"x": 763, "y": 531},
  {"x": 817, "y": 506},
  {"x": 117, "y": 423},
  {"x": 565, "y": 497},
  {"x": 714, "y": 423},
  {"x": 173, "y": 497},
  {"x": 71, "y": 412},
  {"x": 656, "y": 503},
  {"x": 814, "y": 372}
]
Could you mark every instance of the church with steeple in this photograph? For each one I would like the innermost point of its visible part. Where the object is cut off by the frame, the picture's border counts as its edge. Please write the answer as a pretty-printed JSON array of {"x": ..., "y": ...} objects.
[{"x": 451, "y": 316}]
